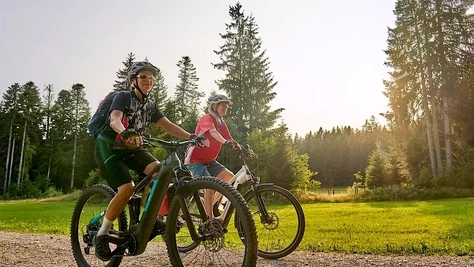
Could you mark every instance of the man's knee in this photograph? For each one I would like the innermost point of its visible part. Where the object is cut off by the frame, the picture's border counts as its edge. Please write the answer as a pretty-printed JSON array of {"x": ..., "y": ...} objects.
[
  {"x": 126, "y": 189},
  {"x": 150, "y": 167}
]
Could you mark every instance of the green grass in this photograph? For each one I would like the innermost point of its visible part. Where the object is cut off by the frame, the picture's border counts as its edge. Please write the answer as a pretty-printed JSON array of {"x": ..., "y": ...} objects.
[
  {"x": 322, "y": 190},
  {"x": 410, "y": 227},
  {"x": 36, "y": 216}
]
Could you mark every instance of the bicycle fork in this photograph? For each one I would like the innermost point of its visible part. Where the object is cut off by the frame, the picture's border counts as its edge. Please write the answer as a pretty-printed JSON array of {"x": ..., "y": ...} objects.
[{"x": 264, "y": 216}]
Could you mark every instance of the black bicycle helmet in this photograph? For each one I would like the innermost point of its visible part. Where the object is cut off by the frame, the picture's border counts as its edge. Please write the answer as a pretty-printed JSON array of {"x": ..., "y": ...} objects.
[{"x": 139, "y": 66}]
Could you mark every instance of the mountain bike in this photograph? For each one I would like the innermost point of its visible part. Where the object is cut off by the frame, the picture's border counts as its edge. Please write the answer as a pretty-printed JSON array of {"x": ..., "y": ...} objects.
[
  {"x": 278, "y": 215},
  {"x": 216, "y": 245}
]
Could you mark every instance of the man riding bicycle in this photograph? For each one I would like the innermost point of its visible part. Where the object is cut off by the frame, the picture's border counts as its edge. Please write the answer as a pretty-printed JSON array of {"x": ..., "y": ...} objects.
[{"x": 118, "y": 147}]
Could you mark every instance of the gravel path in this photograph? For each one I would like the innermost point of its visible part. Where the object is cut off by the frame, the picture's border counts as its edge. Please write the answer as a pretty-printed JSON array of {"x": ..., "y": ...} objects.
[{"x": 37, "y": 250}]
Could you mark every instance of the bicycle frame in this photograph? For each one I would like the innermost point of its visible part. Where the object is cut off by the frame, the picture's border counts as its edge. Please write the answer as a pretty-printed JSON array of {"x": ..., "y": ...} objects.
[{"x": 241, "y": 177}]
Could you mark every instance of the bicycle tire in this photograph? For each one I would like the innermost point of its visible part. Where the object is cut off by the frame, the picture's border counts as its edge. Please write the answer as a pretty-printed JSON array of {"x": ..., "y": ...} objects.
[
  {"x": 84, "y": 256},
  {"x": 222, "y": 245},
  {"x": 281, "y": 227}
]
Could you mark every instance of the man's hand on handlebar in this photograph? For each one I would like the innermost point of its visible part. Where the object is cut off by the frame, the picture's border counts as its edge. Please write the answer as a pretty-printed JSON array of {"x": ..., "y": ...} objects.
[
  {"x": 200, "y": 141},
  {"x": 131, "y": 139}
]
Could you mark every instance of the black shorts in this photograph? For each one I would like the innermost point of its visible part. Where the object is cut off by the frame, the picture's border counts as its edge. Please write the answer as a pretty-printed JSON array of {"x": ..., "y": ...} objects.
[{"x": 115, "y": 163}]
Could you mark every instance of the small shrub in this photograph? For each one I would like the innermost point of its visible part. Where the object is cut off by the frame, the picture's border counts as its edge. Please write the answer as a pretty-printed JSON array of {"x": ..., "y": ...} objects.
[{"x": 52, "y": 192}]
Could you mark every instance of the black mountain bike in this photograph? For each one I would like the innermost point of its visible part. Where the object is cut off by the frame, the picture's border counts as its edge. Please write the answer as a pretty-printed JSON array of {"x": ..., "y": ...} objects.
[{"x": 215, "y": 244}]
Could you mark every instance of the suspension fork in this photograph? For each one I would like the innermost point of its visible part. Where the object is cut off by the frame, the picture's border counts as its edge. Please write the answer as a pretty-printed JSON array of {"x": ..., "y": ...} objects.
[
  {"x": 264, "y": 217},
  {"x": 187, "y": 216}
]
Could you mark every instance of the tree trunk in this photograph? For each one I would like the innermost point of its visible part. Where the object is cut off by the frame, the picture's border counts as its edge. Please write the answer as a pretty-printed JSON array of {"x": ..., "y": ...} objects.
[
  {"x": 11, "y": 162},
  {"x": 425, "y": 97},
  {"x": 5, "y": 183},
  {"x": 444, "y": 74},
  {"x": 429, "y": 135},
  {"x": 49, "y": 166},
  {"x": 73, "y": 162},
  {"x": 437, "y": 147},
  {"x": 447, "y": 134},
  {"x": 49, "y": 89},
  {"x": 21, "y": 155},
  {"x": 75, "y": 144}
]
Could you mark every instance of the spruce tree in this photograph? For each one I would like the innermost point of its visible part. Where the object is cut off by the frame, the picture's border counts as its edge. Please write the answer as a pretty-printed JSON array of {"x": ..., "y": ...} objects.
[
  {"x": 187, "y": 97},
  {"x": 248, "y": 81},
  {"x": 159, "y": 93},
  {"x": 123, "y": 83}
]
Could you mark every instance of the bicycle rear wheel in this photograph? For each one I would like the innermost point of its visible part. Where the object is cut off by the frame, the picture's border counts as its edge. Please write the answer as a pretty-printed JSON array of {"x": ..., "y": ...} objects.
[
  {"x": 217, "y": 245},
  {"x": 86, "y": 220},
  {"x": 281, "y": 232}
]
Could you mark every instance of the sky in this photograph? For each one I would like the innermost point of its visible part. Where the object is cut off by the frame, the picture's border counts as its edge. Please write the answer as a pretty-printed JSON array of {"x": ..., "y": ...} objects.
[{"x": 327, "y": 56}]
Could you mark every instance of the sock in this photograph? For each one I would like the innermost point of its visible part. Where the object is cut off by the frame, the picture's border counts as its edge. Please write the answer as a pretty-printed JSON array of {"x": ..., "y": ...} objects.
[{"x": 104, "y": 229}]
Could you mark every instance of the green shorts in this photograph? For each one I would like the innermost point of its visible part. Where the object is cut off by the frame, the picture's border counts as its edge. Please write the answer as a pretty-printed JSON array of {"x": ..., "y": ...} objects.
[{"x": 115, "y": 163}]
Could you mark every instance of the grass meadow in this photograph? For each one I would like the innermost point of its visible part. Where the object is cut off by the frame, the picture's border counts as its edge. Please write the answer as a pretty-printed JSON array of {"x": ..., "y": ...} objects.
[{"x": 434, "y": 227}]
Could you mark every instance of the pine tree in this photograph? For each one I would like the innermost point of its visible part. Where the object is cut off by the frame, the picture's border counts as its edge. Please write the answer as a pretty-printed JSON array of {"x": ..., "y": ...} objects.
[
  {"x": 62, "y": 133},
  {"x": 80, "y": 115},
  {"x": 10, "y": 103},
  {"x": 186, "y": 97},
  {"x": 248, "y": 81},
  {"x": 159, "y": 95},
  {"x": 30, "y": 110},
  {"x": 375, "y": 172},
  {"x": 9, "y": 111},
  {"x": 170, "y": 110},
  {"x": 407, "y": 55},
  {"x": 48, "y": 104},
  {"x": 123, "y": 83},
  {"x": 424, "y": 53}
]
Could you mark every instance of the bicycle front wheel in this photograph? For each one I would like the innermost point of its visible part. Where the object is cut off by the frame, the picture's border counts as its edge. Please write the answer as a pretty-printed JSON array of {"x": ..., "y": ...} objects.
[
  {"x": 86, "y": 220},
  {"x": 281, "y": 231},
  {"x": 216, "y": 244}
]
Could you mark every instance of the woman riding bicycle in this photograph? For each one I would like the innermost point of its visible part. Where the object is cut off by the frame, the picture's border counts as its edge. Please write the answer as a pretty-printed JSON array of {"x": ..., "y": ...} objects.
[
  {"x": 202, "y": 161},
  {"x": 118, "y": 147}
]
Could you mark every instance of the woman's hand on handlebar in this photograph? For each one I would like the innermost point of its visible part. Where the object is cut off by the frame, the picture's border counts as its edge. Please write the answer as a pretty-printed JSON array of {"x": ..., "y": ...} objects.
[{"x": 235, "y": 146}]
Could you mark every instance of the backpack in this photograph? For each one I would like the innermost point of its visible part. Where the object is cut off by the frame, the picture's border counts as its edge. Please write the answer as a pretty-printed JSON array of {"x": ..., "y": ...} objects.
[{"x": 99, "y": 120}]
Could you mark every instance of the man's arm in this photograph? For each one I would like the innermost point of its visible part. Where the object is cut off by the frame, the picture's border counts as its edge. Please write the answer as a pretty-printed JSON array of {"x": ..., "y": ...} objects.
[
  {"x": 116, "y": 121},
  {"x": 172, "y": 128}
]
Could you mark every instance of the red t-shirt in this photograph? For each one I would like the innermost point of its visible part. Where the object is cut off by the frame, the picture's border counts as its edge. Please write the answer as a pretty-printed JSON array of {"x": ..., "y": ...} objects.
[{"x": 195, "y": 154}]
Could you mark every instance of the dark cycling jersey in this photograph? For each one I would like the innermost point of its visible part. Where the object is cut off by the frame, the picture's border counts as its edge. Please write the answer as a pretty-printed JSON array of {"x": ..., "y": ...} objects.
[{"x": 137, "y": 116}]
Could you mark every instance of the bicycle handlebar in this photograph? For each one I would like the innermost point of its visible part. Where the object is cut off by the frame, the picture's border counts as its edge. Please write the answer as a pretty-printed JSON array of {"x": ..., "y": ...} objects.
[
  {"x": 167, "y": 144},
  {"x": 246, "y": 151}
]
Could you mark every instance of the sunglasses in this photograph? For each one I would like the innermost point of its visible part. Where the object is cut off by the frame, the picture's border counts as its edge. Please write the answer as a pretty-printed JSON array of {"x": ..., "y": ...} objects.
[
  {"x": 224, "y": 104},
  {"x": 145, "y": 77}
]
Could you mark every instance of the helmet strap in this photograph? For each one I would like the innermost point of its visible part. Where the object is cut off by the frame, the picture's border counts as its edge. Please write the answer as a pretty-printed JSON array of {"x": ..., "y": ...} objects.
[
  {"x": 135, "y": 85},
  {"x": 218, "y": 116}
]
